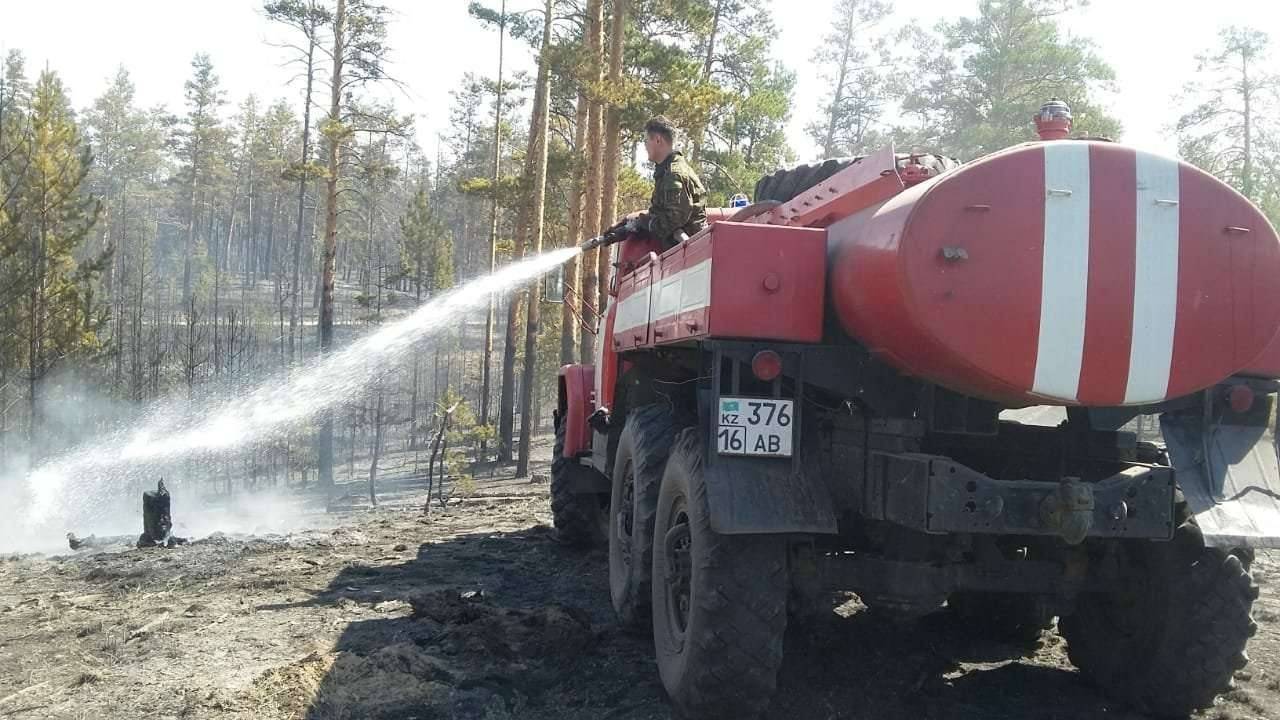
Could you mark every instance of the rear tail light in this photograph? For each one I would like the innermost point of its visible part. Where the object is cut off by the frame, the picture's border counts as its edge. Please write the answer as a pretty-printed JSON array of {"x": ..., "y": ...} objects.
[
  {"x": 766, "y": 365},
  {"x": 1240, "y": 398}
]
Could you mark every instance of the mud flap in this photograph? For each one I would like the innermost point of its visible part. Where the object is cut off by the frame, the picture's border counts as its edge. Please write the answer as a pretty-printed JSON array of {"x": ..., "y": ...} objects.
[
  {"x": 1230, "y": 476},
  {"x": 754, "y": 496}
]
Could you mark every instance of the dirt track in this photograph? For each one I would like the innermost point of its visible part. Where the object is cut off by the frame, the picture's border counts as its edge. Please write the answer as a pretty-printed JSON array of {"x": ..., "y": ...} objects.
[{"x": 471, "y": 613}]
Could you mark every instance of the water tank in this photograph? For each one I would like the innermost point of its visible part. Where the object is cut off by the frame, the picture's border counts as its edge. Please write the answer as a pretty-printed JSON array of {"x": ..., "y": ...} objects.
[{"x": 1065, "y": 272}]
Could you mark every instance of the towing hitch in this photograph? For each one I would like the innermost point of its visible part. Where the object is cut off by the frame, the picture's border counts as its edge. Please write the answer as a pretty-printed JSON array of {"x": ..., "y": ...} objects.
[{"x": 1069, "y": 511}]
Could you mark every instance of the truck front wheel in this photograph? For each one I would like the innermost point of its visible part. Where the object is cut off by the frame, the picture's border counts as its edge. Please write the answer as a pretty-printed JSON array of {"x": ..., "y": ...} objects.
[
  {"x": 1173, "y": 634},
  {"x": 581, "y": 519},
  {"x": 719, "y": 601},
  {"x": 637, "y": 476}
]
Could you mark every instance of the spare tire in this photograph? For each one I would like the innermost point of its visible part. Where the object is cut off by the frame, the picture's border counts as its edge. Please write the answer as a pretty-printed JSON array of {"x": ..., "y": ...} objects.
[{"x": 784, "y": 185}]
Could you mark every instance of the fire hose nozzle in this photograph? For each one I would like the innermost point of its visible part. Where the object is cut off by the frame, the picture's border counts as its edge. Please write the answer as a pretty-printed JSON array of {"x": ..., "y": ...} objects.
[
  {"x": 608, "y": 237},
  {"x": 592, "y": 243}
]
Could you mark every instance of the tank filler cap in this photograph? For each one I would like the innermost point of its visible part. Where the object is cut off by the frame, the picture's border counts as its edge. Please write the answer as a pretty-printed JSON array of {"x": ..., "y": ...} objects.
[{"x": 1053, "y": 122}]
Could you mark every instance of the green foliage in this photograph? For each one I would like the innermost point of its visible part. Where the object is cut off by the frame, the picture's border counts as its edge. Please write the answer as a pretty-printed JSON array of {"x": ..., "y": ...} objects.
[
  {"x": 203, "y": 130},
  {"x": 750, "y": 139},
  {"x": 465, "y": 433},
  {"x": 859, "y": 69},
  {"x": 707, "y": 65},
  {"x": 307, "y": 16},
  {"x": 1228, "y": 125},
  {"x": 518, "y": 25},
  {"x": 53, "y": 305},
  {"x": 426, "y": 246},
  {"x": 982, "y": 78},
  {"x": 365, "y": 44}
]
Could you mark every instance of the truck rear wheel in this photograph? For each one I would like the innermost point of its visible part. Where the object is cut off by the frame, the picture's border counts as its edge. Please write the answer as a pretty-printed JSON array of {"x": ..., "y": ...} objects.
[
  {"x": 719, "y": 601},
  {"x": 637, "y": 477},
  {"x": 580, "y": 519},
  {"x": 1169, "y": 639}
]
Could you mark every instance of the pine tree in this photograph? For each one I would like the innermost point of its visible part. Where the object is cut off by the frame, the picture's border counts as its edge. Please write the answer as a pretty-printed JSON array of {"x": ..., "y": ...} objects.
[
  {"x": 57, "y": 313},
  {"x": 612, "y": 145},
  {"x": 855, "y": 65},
  {"x": 358, "y": 56},
  {"x": 594, "y": 292},
  {"x": 126, "y": 175},
  {"x": 486, "y": 386},
  {"x": 538, "y": 143},
  {"x": 307, "y": 18},
  {"x": 983, "y": 77},
  {"x": 1229, "y": 125},
  {"x": 202, "y": 132},
  {"x": 15, "y": 92},
  {"x": 426, "y": 246}
]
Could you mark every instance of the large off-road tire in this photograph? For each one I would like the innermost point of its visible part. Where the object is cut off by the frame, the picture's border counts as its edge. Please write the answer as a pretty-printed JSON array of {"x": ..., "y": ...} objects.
[
  {"x": 580, "y": 520},
  {"x": 783, "y": 185},
  {"x": 1171, "y": 637},
  {"x": 637, "y": 478},
  {"x": 719, "y": 601},
  {"x": 1007, "y": 617}
]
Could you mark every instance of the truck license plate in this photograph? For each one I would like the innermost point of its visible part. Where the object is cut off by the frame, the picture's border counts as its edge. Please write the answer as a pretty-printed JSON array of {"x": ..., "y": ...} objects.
[{"x": 755, "y": 426}]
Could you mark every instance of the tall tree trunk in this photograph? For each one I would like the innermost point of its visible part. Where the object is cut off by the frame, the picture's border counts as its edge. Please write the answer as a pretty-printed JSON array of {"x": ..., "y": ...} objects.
[
  {"x": 506, "y": 410},
  {"x": 329, "y": 258},
  {"x": 296, "y": 286},
  {"x": 696, "y": 133},
  {"x": 218, "y": 267},
  {"x": 120, "y": 290},
  {"x": 417, "y": 356},
  {"x": 1246, "y": 92},
  {"x": 36, "y": 360},
  {"x": 506, "y": 401},
  {"x": 376, "y": 452},
  {"x": 191, "y": 224},
  {"x": 828, "y": 140},
  {"x": 592, "y": 290},
  {"x": 539, "y": 139},
  {"x": 612, "y": 139},
  {"x": 493, "y": 225},
  {"x": 572, "y": 296}
]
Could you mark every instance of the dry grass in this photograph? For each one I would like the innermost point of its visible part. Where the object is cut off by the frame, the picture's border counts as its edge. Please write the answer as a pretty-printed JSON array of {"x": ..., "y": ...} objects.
[
  {"x": 264, "y": 584},
  {"x": 466, "y": 486},
  {"x": 112, "y": 645},
  {"x": 84, "y": 678},
  {"x": 293, "y": 688},
  {"x": 1245, "y": 698}
]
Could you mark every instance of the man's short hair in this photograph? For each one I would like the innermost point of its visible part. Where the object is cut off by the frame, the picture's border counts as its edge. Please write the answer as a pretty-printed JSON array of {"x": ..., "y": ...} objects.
[{"x": 660, "y": 125}]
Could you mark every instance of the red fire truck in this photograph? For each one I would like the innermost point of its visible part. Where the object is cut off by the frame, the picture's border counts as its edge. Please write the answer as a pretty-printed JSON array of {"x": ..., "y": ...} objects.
[{"x": 819, "y": 391}]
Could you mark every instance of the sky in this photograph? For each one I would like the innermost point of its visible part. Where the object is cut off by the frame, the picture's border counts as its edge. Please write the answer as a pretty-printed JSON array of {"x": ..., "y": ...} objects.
[{"x": 1151, "y": 44}]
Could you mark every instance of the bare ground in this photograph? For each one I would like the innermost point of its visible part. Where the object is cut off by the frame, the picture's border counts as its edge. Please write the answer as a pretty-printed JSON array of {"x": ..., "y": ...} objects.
[{"x": 472, "y": 612}]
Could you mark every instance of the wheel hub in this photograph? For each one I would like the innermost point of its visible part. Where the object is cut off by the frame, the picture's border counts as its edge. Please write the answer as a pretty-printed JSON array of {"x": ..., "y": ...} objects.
[
  {"x": 625, "y": 522},
  {"x": 677, "y": 547}
]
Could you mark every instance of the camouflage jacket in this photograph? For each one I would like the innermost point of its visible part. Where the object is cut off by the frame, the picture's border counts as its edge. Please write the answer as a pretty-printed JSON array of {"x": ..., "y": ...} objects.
[{"x": 678, "y": 201}]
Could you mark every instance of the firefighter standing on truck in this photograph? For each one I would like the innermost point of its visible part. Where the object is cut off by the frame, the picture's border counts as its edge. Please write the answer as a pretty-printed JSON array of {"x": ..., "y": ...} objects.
[{"x": 677, "y": 208}]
